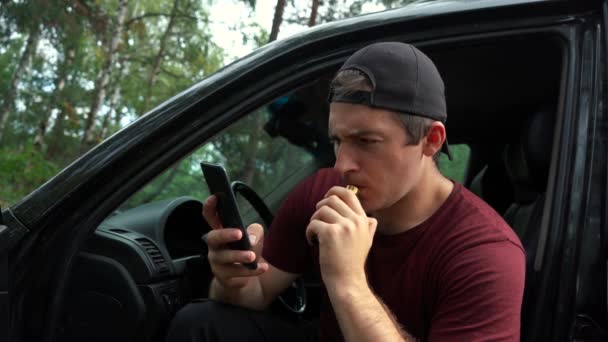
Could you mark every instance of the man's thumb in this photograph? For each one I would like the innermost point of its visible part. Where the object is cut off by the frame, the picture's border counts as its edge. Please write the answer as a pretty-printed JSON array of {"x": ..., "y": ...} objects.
[{"x": 256, "y": 233}]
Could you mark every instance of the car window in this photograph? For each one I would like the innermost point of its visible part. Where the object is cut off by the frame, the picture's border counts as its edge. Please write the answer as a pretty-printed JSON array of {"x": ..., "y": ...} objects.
[
  {"x": 247, "y": 151},
  {"x": 456, "y": 169}
]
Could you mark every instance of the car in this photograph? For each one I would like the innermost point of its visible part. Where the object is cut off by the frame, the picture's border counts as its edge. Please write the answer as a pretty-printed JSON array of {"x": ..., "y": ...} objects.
[{"x": 110, "y": 248}]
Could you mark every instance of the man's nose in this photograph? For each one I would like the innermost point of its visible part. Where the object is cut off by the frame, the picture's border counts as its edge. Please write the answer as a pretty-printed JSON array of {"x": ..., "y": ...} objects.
[{"x": 345, "y": 159}]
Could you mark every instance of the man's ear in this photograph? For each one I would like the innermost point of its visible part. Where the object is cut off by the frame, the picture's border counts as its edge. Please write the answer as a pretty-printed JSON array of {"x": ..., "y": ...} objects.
[{"x": 434, "y": 139}]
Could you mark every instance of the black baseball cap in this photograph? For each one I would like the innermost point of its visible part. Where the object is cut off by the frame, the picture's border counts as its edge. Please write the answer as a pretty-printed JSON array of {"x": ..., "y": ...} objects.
[{"x": 403, "y": 79}]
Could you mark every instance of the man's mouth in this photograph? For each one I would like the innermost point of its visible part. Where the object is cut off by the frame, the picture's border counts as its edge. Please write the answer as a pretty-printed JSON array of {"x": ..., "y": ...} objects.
[
  {"x": 360, "y": 189},
  {"x": 353, "y": 188}
]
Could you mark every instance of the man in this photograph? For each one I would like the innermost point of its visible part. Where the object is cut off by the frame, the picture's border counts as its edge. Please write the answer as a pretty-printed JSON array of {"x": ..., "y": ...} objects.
[{"x": 411, "y": 256}]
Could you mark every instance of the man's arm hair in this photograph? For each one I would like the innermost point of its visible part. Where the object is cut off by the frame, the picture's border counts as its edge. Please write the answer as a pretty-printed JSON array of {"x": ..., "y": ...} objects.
[
  {"x": 399, "y": 327},
  {"x": 363, "y": 317}
]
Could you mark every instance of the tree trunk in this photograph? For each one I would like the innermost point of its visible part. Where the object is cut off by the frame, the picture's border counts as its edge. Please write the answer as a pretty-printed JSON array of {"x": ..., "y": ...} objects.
[
  {"x": 54, "y": 103},
  {"x": 276, "y": 22},
  {"x": 60, "y": 147},
  {"x": 252, "y": 153},
  {"x": 117, "y": 113},
  {"x": 8, "y": 102},
  {"x": 89, "y": 138},
  {"x": 114, "y": 100},
  {"x": 159, "y": 56},
  {"x": 103, "y": 132},
  {"x": 56, "y": 136},
  {"x": 312, "y": 21}
]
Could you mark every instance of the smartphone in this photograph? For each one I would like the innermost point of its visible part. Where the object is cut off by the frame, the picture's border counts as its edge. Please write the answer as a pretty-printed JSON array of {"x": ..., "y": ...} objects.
[{"x": 227, "y": 207}]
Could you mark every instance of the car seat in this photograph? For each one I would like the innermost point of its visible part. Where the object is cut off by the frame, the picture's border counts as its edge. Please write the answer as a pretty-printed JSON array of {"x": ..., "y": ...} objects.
[
  {"x": 492, "y": 183},
  {"x": 527, "y": 165}
]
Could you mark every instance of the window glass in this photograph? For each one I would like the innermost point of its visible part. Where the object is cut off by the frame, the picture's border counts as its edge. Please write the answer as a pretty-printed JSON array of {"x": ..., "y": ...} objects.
[
  {"x": 248, "y": 153},
  {"x": 456, "y": 168}
]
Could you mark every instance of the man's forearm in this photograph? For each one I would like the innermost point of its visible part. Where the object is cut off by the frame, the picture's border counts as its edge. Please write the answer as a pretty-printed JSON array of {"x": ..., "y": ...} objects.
[
  {"x": 251, "y": 296},
  {"x": 363, "y": 317}
]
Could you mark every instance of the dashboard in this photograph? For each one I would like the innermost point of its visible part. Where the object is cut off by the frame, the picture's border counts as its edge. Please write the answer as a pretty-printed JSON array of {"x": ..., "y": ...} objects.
[
  {"x": 136, "y": 270},
  {"x": 153, "y": 240}
]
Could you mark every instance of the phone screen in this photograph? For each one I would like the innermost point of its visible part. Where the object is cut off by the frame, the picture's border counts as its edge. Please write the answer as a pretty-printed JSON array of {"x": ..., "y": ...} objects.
[{"x": 227, "y": 207}]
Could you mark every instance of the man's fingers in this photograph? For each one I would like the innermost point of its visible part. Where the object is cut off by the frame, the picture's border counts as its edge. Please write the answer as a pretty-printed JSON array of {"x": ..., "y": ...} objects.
[
  {"x": 233, "y": 274},
  {"x": 256, "y": 233},
  {"x": 210, "y": 212},
  {"x": 337, "y": 204},
  {"x": 327, "y": 223},
  {"x": 315, "y": 229},
  {"x": 373, "y": 224},
  {"x": 327, "y": 214},
  {"x": 220, "y": 237},
  {"x": 348, "y": 197},
  {"x": 231, "y": 256},
  {"x": 311, "y": 231}
]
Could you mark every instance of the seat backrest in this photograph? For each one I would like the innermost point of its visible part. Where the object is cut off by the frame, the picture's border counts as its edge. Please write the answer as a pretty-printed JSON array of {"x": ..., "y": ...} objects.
[
  {"x": 527, "y": 164},
  {"x": 492, "y": 183}
]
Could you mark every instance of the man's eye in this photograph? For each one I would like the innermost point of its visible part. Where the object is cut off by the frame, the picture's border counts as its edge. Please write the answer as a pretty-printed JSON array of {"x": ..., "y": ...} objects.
[{"x": 367, "y": 141}]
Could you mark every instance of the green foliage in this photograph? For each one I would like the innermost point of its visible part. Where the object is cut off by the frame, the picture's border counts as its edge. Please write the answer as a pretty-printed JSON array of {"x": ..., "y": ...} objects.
[
  {"x": 73, "y": 47},
  {"x": 181, "y": 179},
  {"x": 247, "y": 152},
  {"x": 9, "y": 56},
  {"x": 21, "y": 171},
  {"x": 154, "y": 61},
  {"x": 259, "y": 37}
]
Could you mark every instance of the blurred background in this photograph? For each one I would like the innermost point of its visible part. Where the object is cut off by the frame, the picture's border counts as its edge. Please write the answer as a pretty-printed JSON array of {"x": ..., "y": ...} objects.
[{"x": 74, "y": 72}]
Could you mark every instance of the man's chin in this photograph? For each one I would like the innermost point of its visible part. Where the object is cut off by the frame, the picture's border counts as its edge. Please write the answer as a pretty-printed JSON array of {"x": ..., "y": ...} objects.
[{"x": 368, "y": 207}]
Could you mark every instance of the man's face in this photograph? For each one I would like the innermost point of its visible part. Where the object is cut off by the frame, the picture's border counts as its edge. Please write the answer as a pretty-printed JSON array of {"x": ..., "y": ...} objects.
[{"x": 372, "y": 153}]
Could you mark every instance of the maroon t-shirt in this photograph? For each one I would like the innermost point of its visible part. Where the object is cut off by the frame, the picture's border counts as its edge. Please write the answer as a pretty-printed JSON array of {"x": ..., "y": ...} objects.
[{"x": 458, "y": 276}]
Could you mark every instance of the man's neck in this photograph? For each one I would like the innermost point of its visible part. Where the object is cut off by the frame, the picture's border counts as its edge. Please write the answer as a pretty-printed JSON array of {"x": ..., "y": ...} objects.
[{"x": 417, "y": 206}]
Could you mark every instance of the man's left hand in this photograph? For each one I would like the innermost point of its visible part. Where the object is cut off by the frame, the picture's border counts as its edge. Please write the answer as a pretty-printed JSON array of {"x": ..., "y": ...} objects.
[{"x": 345, "y": 234}]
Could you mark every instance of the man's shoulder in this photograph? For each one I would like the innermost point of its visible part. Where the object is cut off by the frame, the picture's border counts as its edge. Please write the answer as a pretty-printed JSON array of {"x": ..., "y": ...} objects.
[
  {"x": 475, "y": 221},
  {"x": 311, "y": 190},
  {"x": 328, "y": 175},
  {"x": 317, "y": 184}
]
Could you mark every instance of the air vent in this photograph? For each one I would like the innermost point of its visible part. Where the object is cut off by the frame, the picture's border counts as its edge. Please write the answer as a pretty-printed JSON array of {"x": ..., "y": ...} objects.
[
  {"x": 119, "y": 231},
  {"x": 155, "y": 254}
]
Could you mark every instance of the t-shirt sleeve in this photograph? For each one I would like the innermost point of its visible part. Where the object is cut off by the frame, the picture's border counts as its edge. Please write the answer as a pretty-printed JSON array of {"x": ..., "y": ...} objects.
[
  {"x": 285, "y": 246},
  {"x": 480, "y": 297}
]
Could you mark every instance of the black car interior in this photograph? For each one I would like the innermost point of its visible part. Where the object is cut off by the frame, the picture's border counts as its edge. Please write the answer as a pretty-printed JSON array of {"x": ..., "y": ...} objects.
[
  {"x": 144, "y": 264},
  {"x": 527, "y": 162}
]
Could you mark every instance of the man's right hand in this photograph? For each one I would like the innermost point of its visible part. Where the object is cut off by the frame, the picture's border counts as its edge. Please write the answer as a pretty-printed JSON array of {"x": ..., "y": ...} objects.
[{"x": 226, "y": 263}]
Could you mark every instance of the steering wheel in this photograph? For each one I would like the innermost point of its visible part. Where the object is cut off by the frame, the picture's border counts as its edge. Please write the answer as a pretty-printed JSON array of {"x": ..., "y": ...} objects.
[{"x": 294, "y": 297}]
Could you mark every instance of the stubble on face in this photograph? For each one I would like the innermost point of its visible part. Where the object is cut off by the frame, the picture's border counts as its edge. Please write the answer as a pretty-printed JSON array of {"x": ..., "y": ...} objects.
[{"x": 372, "y": 153}]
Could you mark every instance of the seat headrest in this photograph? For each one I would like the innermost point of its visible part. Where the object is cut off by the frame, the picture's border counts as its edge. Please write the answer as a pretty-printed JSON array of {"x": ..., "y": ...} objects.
[{"x": 528, "y": 160}]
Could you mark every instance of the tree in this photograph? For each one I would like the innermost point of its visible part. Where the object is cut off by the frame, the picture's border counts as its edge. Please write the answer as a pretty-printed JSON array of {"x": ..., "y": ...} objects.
[
  {"x": 70, "y": 104},
  {"x": 276, "y": 21},
  {"x": 24, "y": 61},
  {"x": 312, "y": 21},
  {"x": 88, "y": 139},
  {"x": 102, "y": 63},
  {"x": 78, "y": 89},
  {"x": 55, "y": 98},
  {"x": 113, "y": 105},
  {"x": 161, "y": 51}
]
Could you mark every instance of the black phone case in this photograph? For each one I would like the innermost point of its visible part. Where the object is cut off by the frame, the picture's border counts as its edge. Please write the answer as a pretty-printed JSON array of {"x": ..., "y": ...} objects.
[{"x": 227, "y": 207}]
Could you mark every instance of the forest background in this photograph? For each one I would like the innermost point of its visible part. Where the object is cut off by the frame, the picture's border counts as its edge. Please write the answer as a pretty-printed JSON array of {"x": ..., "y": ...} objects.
[{"x": 74, "y": 72}]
